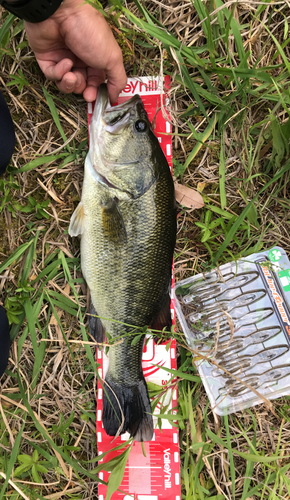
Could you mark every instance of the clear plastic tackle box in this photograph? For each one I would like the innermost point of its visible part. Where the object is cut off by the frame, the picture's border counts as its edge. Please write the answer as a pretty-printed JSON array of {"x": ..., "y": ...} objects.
[{"x": 238, "y": 318}]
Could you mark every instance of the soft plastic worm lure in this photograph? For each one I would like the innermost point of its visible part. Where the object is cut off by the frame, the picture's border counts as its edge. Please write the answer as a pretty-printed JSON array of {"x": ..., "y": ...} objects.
[
  {"x": 266, "y": 380},
  {"x": 212, "y": 291},
  {"x": 211, "y": 279},
  {"x": 215, "y": 310},
  {"x": 241, "y": 343},
  {"x": 246, "y": 332},
  {"x": 250, "y": 360},
  {"x": 248, "y": 319},
  {"x": 208, "y": 330}
]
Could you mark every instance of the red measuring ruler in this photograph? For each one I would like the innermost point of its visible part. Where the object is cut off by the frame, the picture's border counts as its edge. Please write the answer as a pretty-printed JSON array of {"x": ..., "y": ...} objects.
[{"x": 155, "y": 476}]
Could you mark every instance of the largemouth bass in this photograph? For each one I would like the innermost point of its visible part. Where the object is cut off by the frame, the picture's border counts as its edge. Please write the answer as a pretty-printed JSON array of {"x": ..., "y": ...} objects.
[{"x": 127, "y": 222}]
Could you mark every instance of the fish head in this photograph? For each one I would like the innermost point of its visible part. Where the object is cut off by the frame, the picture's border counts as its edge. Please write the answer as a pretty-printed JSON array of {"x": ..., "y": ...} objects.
[{"x": 123, "y": 150}]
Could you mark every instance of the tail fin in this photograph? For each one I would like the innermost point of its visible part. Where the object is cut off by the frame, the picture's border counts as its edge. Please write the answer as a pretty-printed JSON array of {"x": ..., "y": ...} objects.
[{"x": 135, "y": 404}]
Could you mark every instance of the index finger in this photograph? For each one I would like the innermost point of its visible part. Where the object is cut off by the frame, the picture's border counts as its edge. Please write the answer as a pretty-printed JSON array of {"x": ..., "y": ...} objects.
[{"x": 55, "y": 70}]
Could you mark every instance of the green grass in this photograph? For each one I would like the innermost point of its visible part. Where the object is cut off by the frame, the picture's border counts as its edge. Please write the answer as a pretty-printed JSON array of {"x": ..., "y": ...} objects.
[{"x": 230, "y": 110}]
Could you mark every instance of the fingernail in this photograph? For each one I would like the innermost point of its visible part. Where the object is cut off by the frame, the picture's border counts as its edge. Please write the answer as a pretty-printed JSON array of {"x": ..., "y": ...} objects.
[
  {"x": 70, "y": 84},
  {"x": 79, "y": 81}
]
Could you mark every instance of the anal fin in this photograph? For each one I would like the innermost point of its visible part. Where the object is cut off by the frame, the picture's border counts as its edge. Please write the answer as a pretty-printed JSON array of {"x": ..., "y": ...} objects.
[
  {"x": 97, "y": 330},
  {"x": 163, "y": 319}
]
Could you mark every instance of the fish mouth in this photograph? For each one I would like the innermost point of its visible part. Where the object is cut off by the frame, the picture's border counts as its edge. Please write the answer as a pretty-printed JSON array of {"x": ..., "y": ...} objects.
[
  {"x": 102, "y": 101},
  {"x": 127, "y": 104},
  {"x": 114, "y": 118}
]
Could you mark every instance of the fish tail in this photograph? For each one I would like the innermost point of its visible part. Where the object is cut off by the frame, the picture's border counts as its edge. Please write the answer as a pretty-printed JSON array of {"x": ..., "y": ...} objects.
[{"x": 136, "y": 409}]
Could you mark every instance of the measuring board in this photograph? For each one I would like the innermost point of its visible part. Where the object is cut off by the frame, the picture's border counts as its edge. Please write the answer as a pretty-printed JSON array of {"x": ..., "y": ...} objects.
[{"x": 156, "y": 476}]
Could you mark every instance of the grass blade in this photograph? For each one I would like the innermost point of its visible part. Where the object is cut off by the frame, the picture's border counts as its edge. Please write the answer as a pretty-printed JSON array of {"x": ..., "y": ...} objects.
[
  {"x": 37, "y": 163},
  {"x": 55, "y": 116},
  {"x": 6, "y": 26},
  {"x": 250, "y": 465},
  {"x": 39, "y": 352},
  {"x": 12, "y": 460},
  {"x": 231, "y": 457},
  {"x": 16, "y": 255},
  {"x": 203, "y": 138},
  {"x": 260, "y": 458},
  {"x": 222, "y": 174},
  {"x": 117, "y": 474}
]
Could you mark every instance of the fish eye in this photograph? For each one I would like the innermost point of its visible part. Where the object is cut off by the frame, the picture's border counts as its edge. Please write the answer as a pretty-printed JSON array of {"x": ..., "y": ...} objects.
[{"x": 141, "y": 126}]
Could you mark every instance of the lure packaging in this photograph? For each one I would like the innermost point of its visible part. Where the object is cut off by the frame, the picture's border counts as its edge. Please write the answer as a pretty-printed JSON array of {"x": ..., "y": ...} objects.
[{"x": 237, "y": 318}]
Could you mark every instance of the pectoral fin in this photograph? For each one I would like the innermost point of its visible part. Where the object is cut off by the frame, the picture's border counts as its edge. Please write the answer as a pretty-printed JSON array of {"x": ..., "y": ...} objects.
[
  {"x": 112, "y": 222},
  {"x": 77, "y": 220}
]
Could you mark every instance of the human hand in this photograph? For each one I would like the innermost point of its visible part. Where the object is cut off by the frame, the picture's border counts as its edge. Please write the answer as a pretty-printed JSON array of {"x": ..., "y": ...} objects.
[{"x": 76, "y": 48}]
